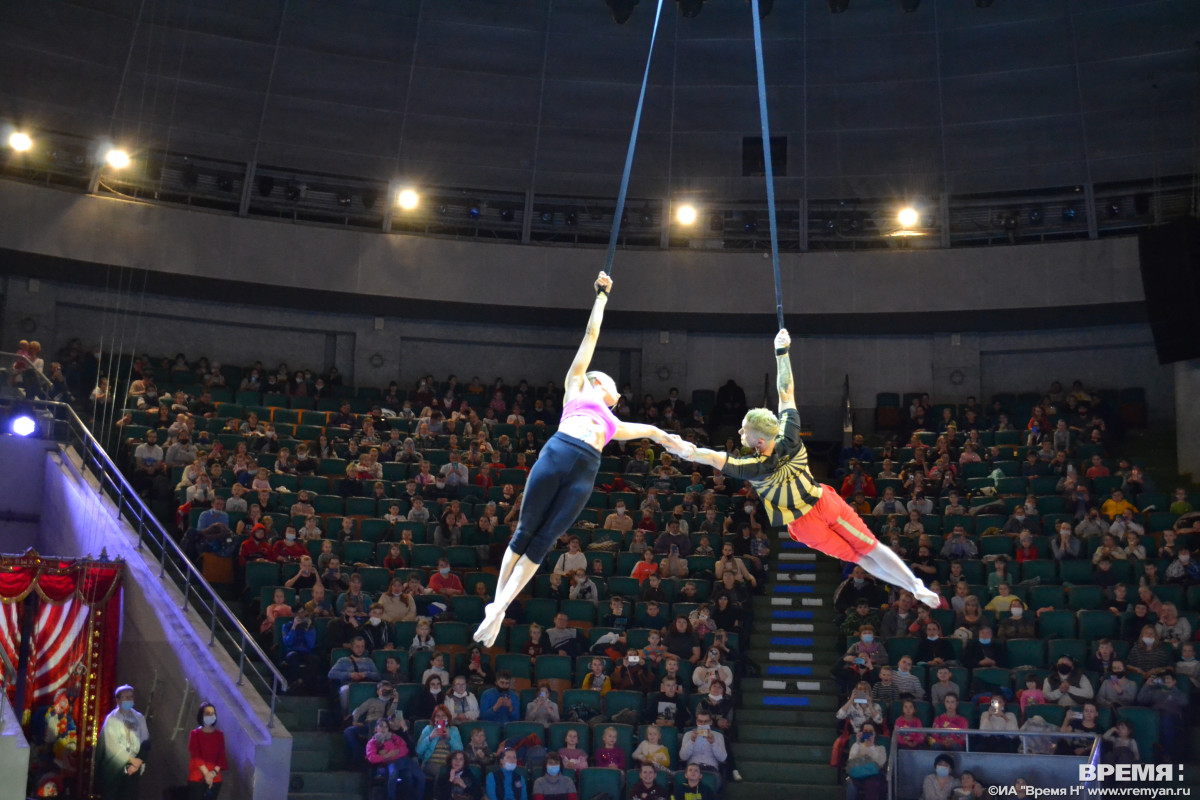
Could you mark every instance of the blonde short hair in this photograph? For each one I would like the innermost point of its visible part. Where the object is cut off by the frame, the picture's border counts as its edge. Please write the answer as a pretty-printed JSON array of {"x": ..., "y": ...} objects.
[{"x": 762, "y": 421}]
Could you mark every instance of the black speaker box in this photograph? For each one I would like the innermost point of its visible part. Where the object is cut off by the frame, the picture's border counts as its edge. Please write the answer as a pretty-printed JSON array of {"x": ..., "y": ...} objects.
[{"x": 1170, "y": 263}]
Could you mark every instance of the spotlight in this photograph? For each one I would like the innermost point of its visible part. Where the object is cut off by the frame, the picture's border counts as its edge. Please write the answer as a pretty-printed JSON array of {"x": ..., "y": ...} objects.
[
  {"x": 690, "y": 8},
  {"x": 1069, "y": 213},
  {"x": 547, "y": 217},
  {"x": 344, "y": 199},
  {"x": 686, "y": 214},
  {"x": 266, "y": 185},
  {"x": 1114, "y": 209},
  {"x": 473, "y": 212},
  {"x": 20, "y": 141},
  {"x": 1036, "y": 216},
  {"x": 506, "y": 214},
  {"x": 407, "y": 199},
  {"x": 23, "y": 425},
  {"x": 571, "y": 218},
  {"x": 749, "y": 222},
  {"x": 369, "y": 198},
  {"x": 117, "y": 159},
  {"x": 909, "y": 6},
  {"x": 838, "y": 6},
  {"x": 191, "y": 176},
  {"x": 622, "y": 10},
  {"x": 908, "y": 217}
]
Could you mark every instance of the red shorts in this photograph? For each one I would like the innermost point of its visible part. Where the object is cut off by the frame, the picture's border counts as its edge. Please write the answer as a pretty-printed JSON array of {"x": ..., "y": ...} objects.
[{"x": 834, "y": 528}]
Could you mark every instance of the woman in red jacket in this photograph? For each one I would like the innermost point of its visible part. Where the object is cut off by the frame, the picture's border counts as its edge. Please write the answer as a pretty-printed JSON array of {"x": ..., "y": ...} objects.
[{"x": 206, "y": 749}]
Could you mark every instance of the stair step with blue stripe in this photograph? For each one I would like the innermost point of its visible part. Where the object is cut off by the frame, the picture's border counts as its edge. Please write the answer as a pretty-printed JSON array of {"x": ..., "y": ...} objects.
[
  {"x": 787, "y": 670},
  {"x": 793, "y": 588},
  {"x": 790, "y": 614}
]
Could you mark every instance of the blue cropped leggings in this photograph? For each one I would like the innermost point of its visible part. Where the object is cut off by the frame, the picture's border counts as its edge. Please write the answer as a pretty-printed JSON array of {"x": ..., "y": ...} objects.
[{"x": 558, "y": 488}]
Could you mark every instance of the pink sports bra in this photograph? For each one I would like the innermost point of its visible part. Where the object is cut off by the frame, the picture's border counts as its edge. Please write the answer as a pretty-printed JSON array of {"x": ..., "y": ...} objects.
[{"x": 591, "y": 408}]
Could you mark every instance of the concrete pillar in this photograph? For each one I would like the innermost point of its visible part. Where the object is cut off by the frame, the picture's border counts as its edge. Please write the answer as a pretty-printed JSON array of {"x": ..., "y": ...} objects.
[{"x": 1187, "y": 417}]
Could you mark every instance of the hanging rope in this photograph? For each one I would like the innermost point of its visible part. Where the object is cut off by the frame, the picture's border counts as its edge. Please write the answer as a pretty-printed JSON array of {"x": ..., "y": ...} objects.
[
  {"x": 766, "y": 142},
  {"x": 619, "y": 211}
]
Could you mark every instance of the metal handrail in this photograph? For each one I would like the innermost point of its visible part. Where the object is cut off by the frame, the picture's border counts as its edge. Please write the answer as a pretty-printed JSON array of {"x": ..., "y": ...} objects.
[
  {"x": 7, "y": 359},
  {"x": 251, "y": 658}
]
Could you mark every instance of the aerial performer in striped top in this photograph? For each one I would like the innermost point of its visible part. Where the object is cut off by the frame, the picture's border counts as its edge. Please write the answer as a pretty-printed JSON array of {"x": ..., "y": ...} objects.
[
  {"x": 778, "y": 470},
  {"x": 563, "y": 477}
]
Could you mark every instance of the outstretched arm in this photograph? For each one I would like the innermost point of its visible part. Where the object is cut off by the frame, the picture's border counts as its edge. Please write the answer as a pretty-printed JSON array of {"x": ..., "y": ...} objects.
[
  {"x": 690, "y": 452},
  {"x": 783, "y": 369},
  {"x": 634, "y": 430},
  {"x": 583, "y": 356}
]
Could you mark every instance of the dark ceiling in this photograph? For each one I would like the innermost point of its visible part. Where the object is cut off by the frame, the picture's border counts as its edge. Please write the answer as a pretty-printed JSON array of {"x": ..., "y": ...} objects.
[{"x": 509, "y": 94}]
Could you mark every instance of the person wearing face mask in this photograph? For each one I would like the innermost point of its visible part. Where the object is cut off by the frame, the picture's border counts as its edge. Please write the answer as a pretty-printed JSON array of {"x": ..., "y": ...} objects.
[
  {"x": 206, "y": 756},
  {"x": 1017, "y": 626},
  {"x": 445, "y": 582},
  {"x": 935, "y": 648},
  {"x": 506, "y": 783},
  {"x": 554, "y": 785},
  {"x": 865, "y": 766},
  {"x": 377, "y": 632},
  {"x": 942, "y": 783},
  {"x": 1116, "y": 689},
  {"x": 984, "y": 651},
  {"x": 1148, "y": 653},
  {"x": 859, "y": 586},
  {"x": 1067, "y": 685},
  {"x": 125, "y": 740},
  {"x": 619, "y": 520}
]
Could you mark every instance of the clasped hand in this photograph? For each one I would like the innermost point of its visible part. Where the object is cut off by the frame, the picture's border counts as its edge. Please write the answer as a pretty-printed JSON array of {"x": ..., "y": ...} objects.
[{"x": 676, "y": 446}]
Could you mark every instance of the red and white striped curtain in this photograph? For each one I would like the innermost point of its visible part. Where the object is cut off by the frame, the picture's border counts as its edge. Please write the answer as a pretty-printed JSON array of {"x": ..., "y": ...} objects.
[{"x": 70, "y": 671}]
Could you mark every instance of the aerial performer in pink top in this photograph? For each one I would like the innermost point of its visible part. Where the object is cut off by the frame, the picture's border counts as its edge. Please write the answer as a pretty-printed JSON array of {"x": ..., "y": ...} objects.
[{"x": 564, "y": 474}]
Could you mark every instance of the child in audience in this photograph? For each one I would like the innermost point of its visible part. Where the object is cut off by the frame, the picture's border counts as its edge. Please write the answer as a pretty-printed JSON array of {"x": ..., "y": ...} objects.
[
  {"x": 262, "y": 480},
  {"x": 609, "y": 755},
  {"x": 1188, "y": 666},
  {"x": 572, "y": 757},
  {"x": 424, "y": 638},
  {"x": 1032, "y": 693},
  {"x": 394, "y": 559},
  {"x": 279, "y": 608},
  {"x": 479, "y": 754},
  {"x": 704, "y": 548},
  {"x": 638, "y": 545},
  {"x": 908, "y": 719},
  {"x": 596, "y": 680},
  {"x": 326, "y": 554},
  {"x": 654, "y": 651},
  {"x": 437, "y": 666},
  {"x": 647, "y": 788},
  {"x": 651, "y": 751}
]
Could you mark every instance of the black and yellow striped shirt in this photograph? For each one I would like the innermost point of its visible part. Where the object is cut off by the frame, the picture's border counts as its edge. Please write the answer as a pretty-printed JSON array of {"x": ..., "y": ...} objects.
[{"x": 782, "y": 479}]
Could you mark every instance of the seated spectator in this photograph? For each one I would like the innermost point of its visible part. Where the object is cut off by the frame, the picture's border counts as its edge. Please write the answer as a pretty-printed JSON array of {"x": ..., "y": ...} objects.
[
  {"x": 942, "y": 784},
  {"x": 669, "y": 707},
  {"x": 634, "y": 673},
  {"x": 456, "y": 781},
  {"x": 1121, "y": 746},
  {"x": 563, "y": 639},
  {"x": 949, "y": 719},
  {"x": 437, "y": 741},
  {"x": 300, "y": 661},
  {"x": 984, "y": 650},
  {"x": 460, "y": 703},
  {"x": 506, "y": 783},
  {"x": 1026, "y": 549},
  {"x": 1116, "y": 505},
  {"x": 1149, "y": 654},
  {"x": 898, "y": 617},
  {"x": 859, "y": 709},
  {"x": 1188, "y": 668},
  {"x": 1082, "y": 721},
  {"x": 693, "y": 788},
  {"x": 865, "y": 766},
  {"x": 1064, "y": 546},
  {"x": 648, "y": 788},
  {"x": 1171, "y": 628},
  {"x": 862, "y": 614},
  {"x": 861, "y": 659},
  {"x": 1067, "y": 685},
  {"x": 1021, "y": 521},
  {"x": 1108, "y": 549},
  {"x": 997, "y": 718},
  {"x": 907, "y": 684},
  {"x": 651, "y": 752},
  {"x": 596, "y": 679},
  {"x": 423, "y": 638},
  {"x": 354, "y": 667},
  {"x": 426, "y": 702},
  {"x": 608, "y": 754},
  {"x": 1162, "y": 693},
  {"x": 554, "y": 785},
  {"x": 908, "y": 719},
  {"x": 958, "y": 546},
  {"x": 377, "y": 633},
  {"x": 943, "y": 686},
  {"x": 1101, "y": 660},
  {"x": 1017, "y": 626},
  {"x": 572, "y": 757},
  {"x": 703, "y": 747},
  {"x": 582, "y": 587},
  {"x": 380, "y": 708},
  {"x": 542, "y": 708},
  {"x": 859, "y": 586},
  {"x": 445, "y": 582},
  {"x": 681, "y": 641},
  {"x": 1116, "y": 689},
  {"x": 388, "y": 751},
  {"x": 500, "y": 703},
  {"x": 890, "y": 504},
  {"x": 573, "y": 560},
  {"x": 398, "y": 605},
  {"x": 934, "y": 648},
  {"x": 1182, "y": 570}
]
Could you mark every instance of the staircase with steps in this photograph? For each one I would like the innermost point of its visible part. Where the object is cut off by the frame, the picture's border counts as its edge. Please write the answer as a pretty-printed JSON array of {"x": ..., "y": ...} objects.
[
  {"x": 318, "y": 757},
  {"x": 786, "y": 723}
]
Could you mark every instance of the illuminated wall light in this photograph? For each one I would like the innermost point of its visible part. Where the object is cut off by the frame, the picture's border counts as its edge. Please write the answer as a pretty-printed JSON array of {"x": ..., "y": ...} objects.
[
  {"x": 908, "y": 217},
  {"x": 20, "y": 141},
  {"x": 408, "y": 199},
  {"x": 23, "y": 425},
  {"x": 686, "y": 214},
  {"x": 117, "y": 158}
]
